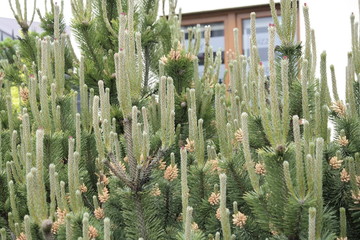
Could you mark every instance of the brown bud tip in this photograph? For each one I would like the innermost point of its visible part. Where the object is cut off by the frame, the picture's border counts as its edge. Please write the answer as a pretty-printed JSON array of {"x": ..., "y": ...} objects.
[
  {"x": 121, "y": 49},
  {"x": 70, "y": 137},
  {"x": 260, "y": 63},
  {"x": 280, "y": 149},
  {"x": 123, "y": 13},
  {"x": 46, "y": 226},
  {"x": 305, "y": 4},
  {"x": 285, "y": 57}
]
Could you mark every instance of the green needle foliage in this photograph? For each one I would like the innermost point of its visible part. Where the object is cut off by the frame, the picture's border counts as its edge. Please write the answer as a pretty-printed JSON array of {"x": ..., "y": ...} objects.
[{"x": 128, "y": 141}]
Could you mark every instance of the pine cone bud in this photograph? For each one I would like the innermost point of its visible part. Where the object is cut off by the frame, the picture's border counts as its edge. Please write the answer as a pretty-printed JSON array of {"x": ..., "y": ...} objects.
[
  {"x": 218, "y": 214},
  {"x": 103, "y": 179},
  {"x": 214, "y": 198},
  {"x": 22, "y": 235},
  {"x": 83, "y": 188},
  {"x": 104, "y": 196},
  {"x": 162, "y": 164},
  {"x": 335, "y": 163},
  {"x": 343, "y": 141},
  {"x": 164, "y": 59},
  {"x": 61, "y": 214},
  {"x": 155, "y": 192},
  {"x": 344, "y": 176},
  {"x": 55, "y": 227},
  {"x": 239, "y": 219},
  {"x": 93, "y": 233},
  {"x": 190, "y": 145},
  {"x": 99, "y": 213},
  {"x": 171, "y": 173},
  {"x": 239, "y": 135},
  {"x": 339, "y": 108},
  {"x": 355, "y": 197},
  {"x": 24, "y": 94},
  {"x": 214, "y": 165},
  {"x": 260, "y": 169},
  {"x": 195, "y": 226}
]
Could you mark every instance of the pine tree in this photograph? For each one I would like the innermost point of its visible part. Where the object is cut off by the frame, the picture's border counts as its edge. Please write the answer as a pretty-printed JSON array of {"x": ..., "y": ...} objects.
[{"x": 155, "y": 151}]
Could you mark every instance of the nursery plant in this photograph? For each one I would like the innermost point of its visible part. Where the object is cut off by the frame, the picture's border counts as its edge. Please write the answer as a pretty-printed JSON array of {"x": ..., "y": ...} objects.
[{"x": 128, "y": 140}]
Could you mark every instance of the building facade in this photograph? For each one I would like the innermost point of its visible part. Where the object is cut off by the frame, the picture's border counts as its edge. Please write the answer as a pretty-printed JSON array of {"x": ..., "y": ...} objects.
[
  {"x": 223, "y": 21},
  {"x": 329, "y": 19}
]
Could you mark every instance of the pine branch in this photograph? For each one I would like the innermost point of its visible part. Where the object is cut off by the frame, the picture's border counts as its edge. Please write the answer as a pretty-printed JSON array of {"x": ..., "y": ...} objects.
[{"x": 114, "y": 166}]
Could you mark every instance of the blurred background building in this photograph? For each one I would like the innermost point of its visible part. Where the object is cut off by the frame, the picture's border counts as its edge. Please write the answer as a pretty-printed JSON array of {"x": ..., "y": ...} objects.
[{"x": 9, "y": 28}]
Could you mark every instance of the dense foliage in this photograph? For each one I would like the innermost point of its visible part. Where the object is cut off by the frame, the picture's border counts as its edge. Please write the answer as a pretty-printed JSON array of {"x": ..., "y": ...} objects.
[{"x": 129, "y": 141}]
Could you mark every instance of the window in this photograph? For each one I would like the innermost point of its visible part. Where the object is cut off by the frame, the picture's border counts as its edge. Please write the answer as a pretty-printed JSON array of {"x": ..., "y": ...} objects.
[{"x": 229, "y": 19}]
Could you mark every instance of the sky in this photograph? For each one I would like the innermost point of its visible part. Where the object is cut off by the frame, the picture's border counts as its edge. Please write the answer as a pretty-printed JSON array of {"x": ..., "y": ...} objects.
[{"x": 329, "y": 18}]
